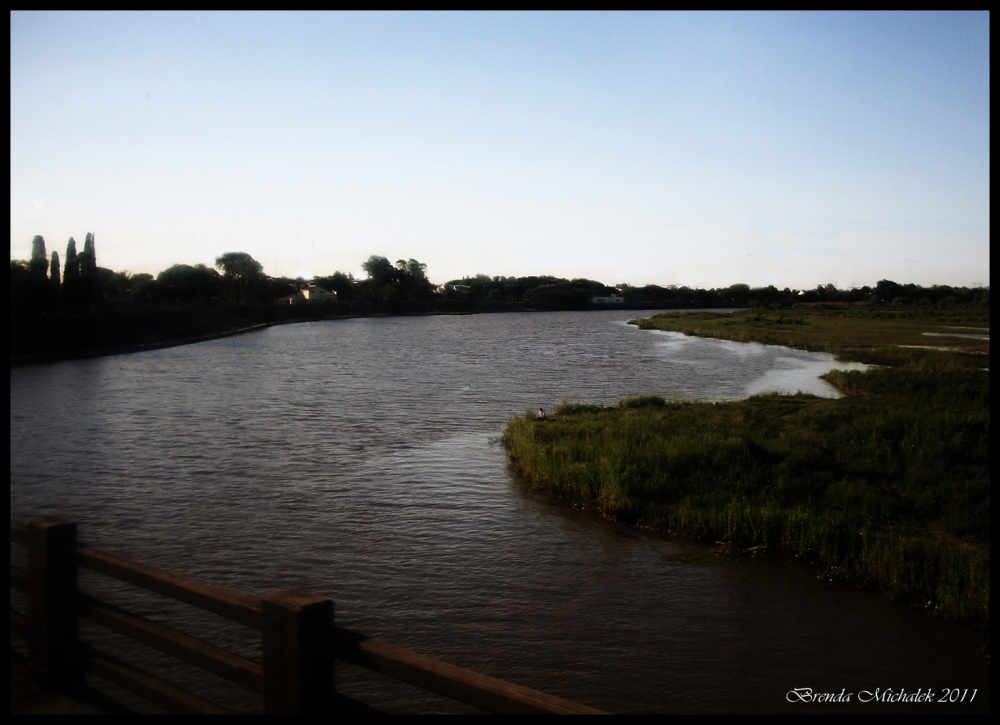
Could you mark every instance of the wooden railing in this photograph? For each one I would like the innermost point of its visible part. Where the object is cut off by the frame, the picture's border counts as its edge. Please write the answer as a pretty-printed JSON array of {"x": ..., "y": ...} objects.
[{"x": 299, "y": 638}]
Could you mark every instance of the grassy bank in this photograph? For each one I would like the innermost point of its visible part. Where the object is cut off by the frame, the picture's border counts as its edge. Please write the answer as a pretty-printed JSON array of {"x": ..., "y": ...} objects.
[
  {"x": 881, "y": 335},
  {"x": 886, "y": 488}
]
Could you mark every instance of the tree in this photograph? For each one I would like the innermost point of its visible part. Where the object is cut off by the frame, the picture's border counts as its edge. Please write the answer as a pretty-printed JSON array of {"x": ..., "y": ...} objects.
[
  {"x": 90, "y": 283},
  {"x": 404, "y": 284},
  {"x": 380, "y": 271},
  {"x": 143, "y": 288},
  {"x": 116, "y": 286},
  {"x": 37, "y": 292},
  {"x": 182, "y": 282},
  {"x": 71, "y": 273},
  {"x": 241, "y": 273},
  {"x": 39, "y": 264},
  {"x": 414, "y": 276},
  {"x": 19, "y": 285},
  {"x": 88, "y": 259},
  {"x": 54, "y": 273},
  {"x": 886, "y": 290}
]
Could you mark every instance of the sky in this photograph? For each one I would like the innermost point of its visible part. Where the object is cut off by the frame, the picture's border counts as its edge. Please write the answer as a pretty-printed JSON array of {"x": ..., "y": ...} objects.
[{"x": 699, "y": 149}]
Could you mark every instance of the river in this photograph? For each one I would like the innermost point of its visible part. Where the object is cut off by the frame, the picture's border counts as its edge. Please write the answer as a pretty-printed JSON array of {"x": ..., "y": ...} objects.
[{"x": 359, "y": 459}]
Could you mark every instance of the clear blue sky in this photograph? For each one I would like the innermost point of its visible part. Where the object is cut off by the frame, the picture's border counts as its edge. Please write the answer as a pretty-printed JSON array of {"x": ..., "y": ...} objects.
[{"x": 702, "y": 149}]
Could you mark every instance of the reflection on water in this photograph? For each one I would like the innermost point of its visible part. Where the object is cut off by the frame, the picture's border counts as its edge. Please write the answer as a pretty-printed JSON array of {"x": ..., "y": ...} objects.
[
  {"x": 760, "y": 369},
  {"x": 354, "y": 458}
]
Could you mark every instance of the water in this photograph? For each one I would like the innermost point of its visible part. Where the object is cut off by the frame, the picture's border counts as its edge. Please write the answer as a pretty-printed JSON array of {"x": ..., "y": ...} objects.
[{"x": 358, "y": 459}]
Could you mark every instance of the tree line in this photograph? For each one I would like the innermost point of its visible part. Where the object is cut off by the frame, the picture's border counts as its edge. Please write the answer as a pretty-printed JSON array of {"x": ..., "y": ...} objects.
[
  {"x": 45, "y": 282},
  {"x": 556, "y": 293},
  {"x": 42, "y": 282}
]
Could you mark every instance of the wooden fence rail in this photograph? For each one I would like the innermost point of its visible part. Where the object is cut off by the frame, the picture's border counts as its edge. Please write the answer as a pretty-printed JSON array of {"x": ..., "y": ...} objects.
[{"x": 300, "y": 640}]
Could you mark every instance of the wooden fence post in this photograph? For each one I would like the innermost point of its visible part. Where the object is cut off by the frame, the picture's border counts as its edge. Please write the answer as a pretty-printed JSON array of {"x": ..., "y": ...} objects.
[
  {"x": 53, "y": 625},
  {"x": 298, "y": 652}
]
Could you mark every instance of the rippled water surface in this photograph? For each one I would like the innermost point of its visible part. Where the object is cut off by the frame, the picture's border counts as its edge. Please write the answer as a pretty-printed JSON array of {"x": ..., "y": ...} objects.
[{"x": 358, "y": 459}]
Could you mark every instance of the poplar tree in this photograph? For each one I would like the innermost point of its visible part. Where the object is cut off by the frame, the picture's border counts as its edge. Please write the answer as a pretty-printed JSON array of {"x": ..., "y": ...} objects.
[
  {"x": 71, "y": 274},
  {"x": 88, "y": 258},
  {"x": 89, "y": 284},
  {"x": 39, "y": 263},
  {"x": 54, "y": 271}
]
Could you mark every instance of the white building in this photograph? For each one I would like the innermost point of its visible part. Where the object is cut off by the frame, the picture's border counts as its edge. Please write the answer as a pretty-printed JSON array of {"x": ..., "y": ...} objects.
[
  {"x": 613, "y": 299},
  {"x": 460, "y": 289},
  {"x": 312, "y": 293},
  {"x": 308, "y": 295}
]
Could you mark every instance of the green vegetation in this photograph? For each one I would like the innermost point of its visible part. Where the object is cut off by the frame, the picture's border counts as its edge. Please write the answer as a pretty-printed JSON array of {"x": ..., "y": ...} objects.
[
  {"x": 78, "y": 308},
  {"x": 405, "y": 285},
  {"x": 871, "y": 333},
  {"x": 541, "y": 293},
  {"x": 93, "y": 310},
  {"x": 886, "y": 488}
]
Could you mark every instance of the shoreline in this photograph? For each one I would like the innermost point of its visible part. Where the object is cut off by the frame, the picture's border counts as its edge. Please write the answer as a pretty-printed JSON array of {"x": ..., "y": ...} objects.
[
  {"x": 910, "y": 561},
  {"x": 824, "y": 482},
  {"x": 49, "y": 358}
]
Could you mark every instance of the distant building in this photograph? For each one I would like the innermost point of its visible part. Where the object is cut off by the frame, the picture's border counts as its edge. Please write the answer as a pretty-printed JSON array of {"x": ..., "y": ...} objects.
[
  {"x": 612, "y": 299},
  {"x": 310, "y": 294},
  {"x": 460, "y": 290}
]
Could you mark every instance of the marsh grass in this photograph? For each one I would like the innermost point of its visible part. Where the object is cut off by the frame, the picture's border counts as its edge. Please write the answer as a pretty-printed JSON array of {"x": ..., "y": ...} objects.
[
  {"x": 887, "y": 488},
  {"x": 875, "y": 335}
]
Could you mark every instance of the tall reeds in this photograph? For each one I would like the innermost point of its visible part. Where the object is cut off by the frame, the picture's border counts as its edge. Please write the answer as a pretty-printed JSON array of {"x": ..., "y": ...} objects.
[{"x": 887, "y": 488}]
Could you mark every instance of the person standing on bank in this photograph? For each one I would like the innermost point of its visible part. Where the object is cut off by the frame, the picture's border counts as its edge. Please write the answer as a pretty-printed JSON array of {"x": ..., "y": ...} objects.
[{"x": 541, "y": 414}]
